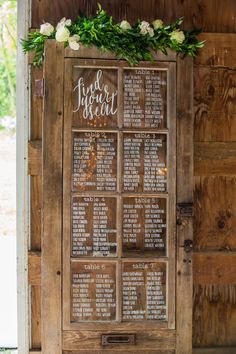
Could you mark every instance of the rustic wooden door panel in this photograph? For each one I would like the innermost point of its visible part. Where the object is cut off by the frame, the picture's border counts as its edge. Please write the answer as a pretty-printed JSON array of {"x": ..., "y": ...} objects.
[
  {"x": 214, "y": 315},
  {"x": 51, "y": 265},
  {"x": 119, "y": 131},
  {"x": 214, "y": 221},
  {"x": 215, "y": 103},
  {"x": 214, "y": 322},
  {"x": 109, "y": 204},
  {"x": 219, "y": 51},
  {"x": 91, "y": 340}
]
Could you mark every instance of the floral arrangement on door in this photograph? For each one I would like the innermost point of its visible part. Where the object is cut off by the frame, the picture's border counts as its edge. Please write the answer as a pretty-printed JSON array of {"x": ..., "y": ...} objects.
[{"x": 131, "y": 43}]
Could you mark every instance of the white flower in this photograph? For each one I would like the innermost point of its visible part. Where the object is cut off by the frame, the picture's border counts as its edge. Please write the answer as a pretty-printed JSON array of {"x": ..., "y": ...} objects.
[
  {"x": 46, "y": 29},
  {"x": 74, "y": 45},
  {"x": 125, "y": 25},
  {"x": 144, "y": 27},
  {"x": 151, "y": 32},
  {"x": 63, "y": 22},
  {"x": 177, "y": 36},
  {"x": 68, "y": 22},
  {"x": 157, "y": 24},
  {"x": 62, "y": 34},
  {"x": 74, "y": 42}
]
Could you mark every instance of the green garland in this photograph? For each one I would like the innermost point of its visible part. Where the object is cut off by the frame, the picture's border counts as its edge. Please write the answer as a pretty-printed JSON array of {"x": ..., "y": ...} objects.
[{"x": 130, "y": 43}]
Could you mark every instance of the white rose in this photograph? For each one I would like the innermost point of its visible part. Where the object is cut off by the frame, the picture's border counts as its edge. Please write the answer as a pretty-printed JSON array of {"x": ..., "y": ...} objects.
[
  {"x": 74, "y": 45},
  {"x": 62, "y": 34},
  {"x": 157, "y": 24},
  {"x": 144, "y": 27},
  {"x": 151, "y": 32},
  {"x": 68, "y": 22},
  {"x": 74, "y": 42},
  {"x": 177, "y": 36},
  {"x": 46, "y": 29},
  {"x": 125, "y": 25},
  {"x": 63, "y": 22}
]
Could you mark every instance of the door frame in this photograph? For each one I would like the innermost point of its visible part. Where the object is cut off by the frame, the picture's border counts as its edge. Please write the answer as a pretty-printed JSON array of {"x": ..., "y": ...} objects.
[
  {"x": 22, "y": 186},
  {"x": 51, "y": 273}
]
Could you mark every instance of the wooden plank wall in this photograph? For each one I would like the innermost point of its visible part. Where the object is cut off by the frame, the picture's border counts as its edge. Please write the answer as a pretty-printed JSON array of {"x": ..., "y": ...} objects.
[
  {"x": 214, "y": 298},
  {"x": 36, "y": 110},
  {"x": 215, "y": 148},
  {"x": 210, "y": 15}
]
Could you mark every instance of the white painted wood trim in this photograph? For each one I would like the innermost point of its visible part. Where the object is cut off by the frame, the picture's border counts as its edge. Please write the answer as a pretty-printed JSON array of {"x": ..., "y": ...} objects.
[{"x": 22, "y": 194}]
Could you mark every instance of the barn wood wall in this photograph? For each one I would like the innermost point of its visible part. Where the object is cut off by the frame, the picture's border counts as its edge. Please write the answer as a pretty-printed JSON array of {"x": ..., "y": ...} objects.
[{"x": 214, "y": 315}]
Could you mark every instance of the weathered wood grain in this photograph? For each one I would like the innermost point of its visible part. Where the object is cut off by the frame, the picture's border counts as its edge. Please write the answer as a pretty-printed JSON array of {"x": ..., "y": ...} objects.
[
  {"x": 210, "y": 15},
  {"x": 214, "y": 315},
  {"x": 219, "y": 49},
  {"x": 92, "y": 53},
  {"x": 52, "y": 199},
  {"x": 217, "y": 159},
  {"x": 35, "y": 212},
  {"x": 35, "y": 168},
  {"x": 146, "y": 340},
  {"x": 35, "y": 317},
  {"x": 36, "y": 104},
  {"x": 214, "y": 104},
  {"x": 172, "y": 153},
  {"x": 35, "y": 157},
  {"x": 184, "y": 195},
  {"x": 34, "y": 266},
  {"x": 120, "y": 351},
  {"x": 215, "y": 209},
  {"x": 214, "y": 318},
  {"x": 215, "y": 350},
  {"x": 127, "y": 350},
  {"x": 214, "y": 268}
]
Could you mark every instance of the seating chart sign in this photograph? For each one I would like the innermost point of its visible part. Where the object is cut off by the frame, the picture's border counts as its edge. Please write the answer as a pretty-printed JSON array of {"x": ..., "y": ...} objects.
[
  {"x": 93, "y": 291},
  {"x": 145, "y": 98},
  {"x": 119, "y": 159},
  {"x": 93, "y": 226},
  {"x": 94, "y": 161},
  {"x": 95, "y": 98},
  {"x": 144, "y": 225},
  {"x": 144, "y": 291},
  {"x": 144, "y": 162}
]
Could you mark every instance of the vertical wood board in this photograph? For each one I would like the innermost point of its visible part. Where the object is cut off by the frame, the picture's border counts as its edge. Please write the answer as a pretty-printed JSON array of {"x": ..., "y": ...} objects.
[
  {"x": 184, "y": 195},
  {"x": 52, "y": 199}
]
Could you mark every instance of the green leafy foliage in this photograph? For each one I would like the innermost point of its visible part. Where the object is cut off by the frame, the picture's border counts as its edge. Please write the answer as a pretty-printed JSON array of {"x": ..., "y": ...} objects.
[
  {"x": 7, "y": 58},
  {"x": 130, "y": 44}
]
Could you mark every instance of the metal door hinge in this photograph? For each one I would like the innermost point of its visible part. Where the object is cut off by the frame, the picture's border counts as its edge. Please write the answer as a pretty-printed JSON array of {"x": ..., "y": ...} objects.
[
  {"x": 39, "y": 88},
  {"x": 184, "y": 210}
]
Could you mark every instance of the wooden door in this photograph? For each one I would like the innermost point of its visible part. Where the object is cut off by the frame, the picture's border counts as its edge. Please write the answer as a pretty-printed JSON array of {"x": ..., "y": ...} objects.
[{"x": 117, "y": 164}]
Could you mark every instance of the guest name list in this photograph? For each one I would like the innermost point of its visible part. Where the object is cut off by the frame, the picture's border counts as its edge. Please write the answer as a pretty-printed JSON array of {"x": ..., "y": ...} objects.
[{"x": 119, "y": 165}]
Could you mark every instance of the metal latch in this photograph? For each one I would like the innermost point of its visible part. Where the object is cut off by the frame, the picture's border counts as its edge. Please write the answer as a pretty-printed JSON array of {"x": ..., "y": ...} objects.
[
  {"x": 184, "y": 210},
  {"x": 39, "y": 87},
  {"x": 188, "y": 246},
  {"x": 116, "y": 339}
]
